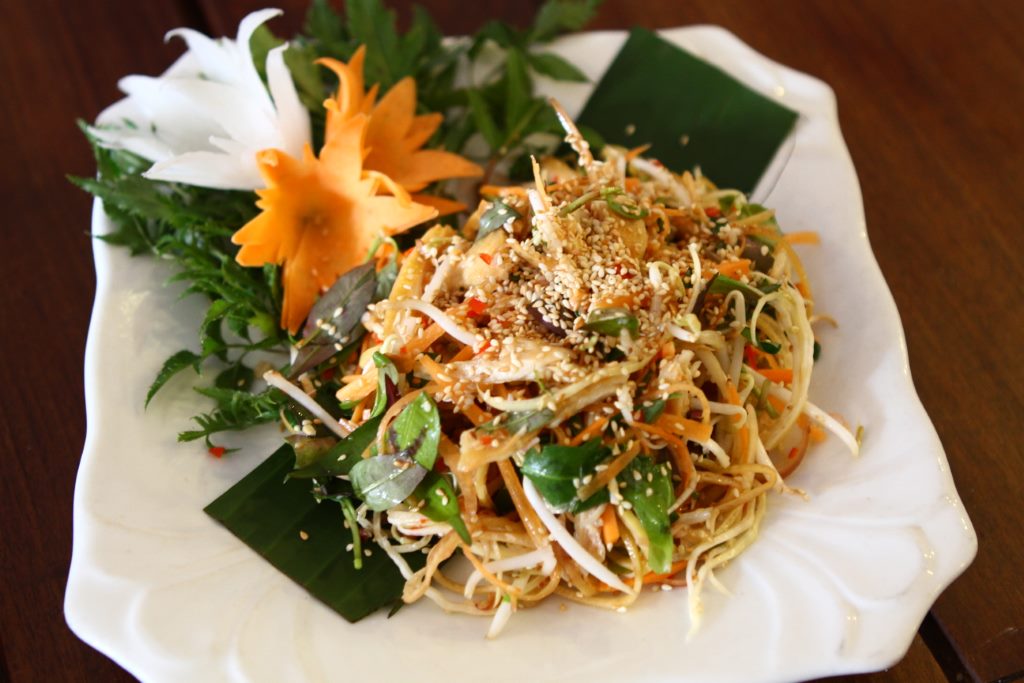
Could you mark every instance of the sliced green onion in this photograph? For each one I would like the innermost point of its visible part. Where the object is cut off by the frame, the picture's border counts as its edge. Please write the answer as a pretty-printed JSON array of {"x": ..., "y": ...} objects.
[
  {"x": 350, "y": 517},
  {"x": 762, "y": 400},
  {"x": 631, "y": 211},
  {"x": 761, "y": 344},
  {"x": 578, "y": 202},
  {"x": 612, "y": 321}
]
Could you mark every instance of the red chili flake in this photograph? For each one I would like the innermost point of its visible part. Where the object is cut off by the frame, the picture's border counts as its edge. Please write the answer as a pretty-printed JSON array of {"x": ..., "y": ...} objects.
[
  {"x": 476, "y": 307},
  {"x": 486, "y": 440},
  {"x": 328, "y": 374},
  {"x": 623, "y": 271},
  {"x": 712, "y": 212},
  {"x": 217, "y": 451},
  {"x": 486, "y": 258},
  {"x": 793, "y": 452},
  {"x": 750, "y": 354}
]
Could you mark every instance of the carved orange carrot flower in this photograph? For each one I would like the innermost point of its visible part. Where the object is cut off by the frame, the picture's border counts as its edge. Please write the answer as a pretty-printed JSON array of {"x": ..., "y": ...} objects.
[
  {"x": 396, "y": 134},
  {"x": 321, "y": 215}
]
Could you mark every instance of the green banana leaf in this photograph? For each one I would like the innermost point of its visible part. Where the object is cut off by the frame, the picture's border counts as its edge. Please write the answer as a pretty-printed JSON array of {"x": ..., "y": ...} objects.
[
  {"x": 690, "y": 112},
  {"x": 307, "y": 540}
]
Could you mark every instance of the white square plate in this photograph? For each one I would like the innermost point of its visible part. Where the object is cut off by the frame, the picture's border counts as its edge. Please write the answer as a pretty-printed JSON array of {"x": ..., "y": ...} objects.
[{"x": 836, "y": 584}]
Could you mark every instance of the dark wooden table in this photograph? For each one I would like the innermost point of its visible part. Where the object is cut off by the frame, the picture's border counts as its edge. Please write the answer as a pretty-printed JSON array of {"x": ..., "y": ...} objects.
[{"x": 931, "y": 100}]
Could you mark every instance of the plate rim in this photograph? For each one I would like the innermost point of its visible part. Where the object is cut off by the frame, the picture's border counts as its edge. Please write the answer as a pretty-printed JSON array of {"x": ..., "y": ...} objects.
[{"x": 83, "y": 577}]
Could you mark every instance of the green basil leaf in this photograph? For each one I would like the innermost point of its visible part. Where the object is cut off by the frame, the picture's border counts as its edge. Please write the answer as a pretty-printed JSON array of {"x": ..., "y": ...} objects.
[
  {"x": 721, "y": 284},
  {"x": 752, "y": 209},
  {"x": 612, "y": 321},
  {"x": 334, "y": 319},
  {"x": 384, "y": 481},
  {"x": 306, "y": 540},
  {"x": 342, "y": 306},
  {"x": 386, "y": 277},
  {"x": 553, "y": 66},
  {"x": 343, "y": 456},
  {"x": 373, "y": 25},
  {"x": 496, "y": 215},
  {"x": 518, "y": 87},
  {"x": 556, "y": 16},
  {"x": 558, "y": 471},
  {"x": 441, "y": 504},
  {"x": 654, "y": 410},
  {"x": 647, "y": 486},
  {"x": 523, "y": 422},
  {"x": 416, "y": 432},
  {"x": 386, "y": 372},
  {"x": 483, "y": 119}
]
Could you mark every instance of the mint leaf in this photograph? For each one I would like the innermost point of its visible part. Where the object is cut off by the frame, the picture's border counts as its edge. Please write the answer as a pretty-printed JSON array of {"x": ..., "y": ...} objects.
[
  {"x": 558, "y": 471},
  {"x": 648, "y": 487}
]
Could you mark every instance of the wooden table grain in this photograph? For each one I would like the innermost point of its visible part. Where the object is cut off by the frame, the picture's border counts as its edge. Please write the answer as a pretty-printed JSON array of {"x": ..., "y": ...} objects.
[{"x": 931, "y": 102}]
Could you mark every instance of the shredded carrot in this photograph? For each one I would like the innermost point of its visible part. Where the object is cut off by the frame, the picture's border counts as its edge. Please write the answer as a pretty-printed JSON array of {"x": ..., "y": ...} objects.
[
  {"x": 805, "y": 237},
  {"x": 814, "y": 432},
  {"x": 691, "y": 429},
  {"x": 592, "y": 429},
  {"x": 493, "y": 190},
  {"x": 423, "y": 342},
  {"x": 465, "y": 353},
  {"x": 609, "y": 526},
  {"x": 475, "y": 414},
  {"x": 742, "y": 445},
  {"x": 777, "y": 403},
  {"x": 616, "y": 301},
  {"x": 798, "y": 266},
  {"x": 487, "y": 574},
  {"x": 678, "y": 447},
  {"x": 357, "y": 412},
  {"x": 538, "y": 532},
  {"x": 432, "y": 367},
  {"x": 633, "y": 154},
  {"x": 632, "y": 184},
  {"x": 676, "y": 567},
  {"x": 734, "y": 269},
  {"x": 676, "y": 212},
  {"x": 668, "y": 349},
  {"x": 733, "y": 397},
  {"x": 602, "y": 478},
  {"x": 780, "y": 375}
]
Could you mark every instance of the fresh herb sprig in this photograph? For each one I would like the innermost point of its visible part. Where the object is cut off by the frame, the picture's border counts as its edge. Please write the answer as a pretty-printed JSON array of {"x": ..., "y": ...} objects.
[
  {"x": 501, "y": 105},
  {"x": 191, "y": 227}
]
